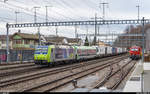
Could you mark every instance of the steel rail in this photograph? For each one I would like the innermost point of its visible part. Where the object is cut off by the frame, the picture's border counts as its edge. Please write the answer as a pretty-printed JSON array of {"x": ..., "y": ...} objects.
[
  {"x": 96, "y": 68},
  {"x": 49, "y": 72}
]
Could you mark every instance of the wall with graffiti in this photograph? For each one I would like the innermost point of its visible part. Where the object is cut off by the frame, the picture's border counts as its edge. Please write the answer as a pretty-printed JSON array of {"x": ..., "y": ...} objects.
[{"x": 17, "y": 55}]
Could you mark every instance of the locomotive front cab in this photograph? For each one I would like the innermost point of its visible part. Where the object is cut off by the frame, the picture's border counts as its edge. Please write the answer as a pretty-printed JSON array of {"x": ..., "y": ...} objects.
[
  {"x": 41, "y": 55},
  {"x": 135, "y": 53}
]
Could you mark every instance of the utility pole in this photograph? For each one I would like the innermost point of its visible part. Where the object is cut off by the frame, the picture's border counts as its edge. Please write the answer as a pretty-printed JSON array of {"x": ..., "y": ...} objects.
[
  {"x": 47, "y": 13},
  {"x": 95, "y": 37},
  {"x": 138, "y": 11},
  {"x": 87, "y": 34},
  {"x": 143, "y": 39},
  {"x": 5, "y": 1},
  {"x": 143, "y": 49},
  {"x": 35, "y": 19},
  {"x": 39, "y": 35},
  {"x": 103, "y": 4},
  {"x": 7, "y": 41},
  {"x": 76, "y": 30},
  {"x": 56, "y": 31},
  {"x": 98, "y": 29},
  {"x": 87, "y": 30},
  {"x": 112, "y": 38},
  {"x": 16, "y": 15},
  {"x": 95, "y": 28}
]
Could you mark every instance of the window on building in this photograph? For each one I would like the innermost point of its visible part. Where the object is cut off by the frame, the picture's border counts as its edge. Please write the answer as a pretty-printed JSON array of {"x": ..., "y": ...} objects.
[
  {"x": 14, "y": 41},
  {"x": 27, "y": 41},
  {"x": 35, "y": 42},
  {"x": 3, "y": 42},
  {"x": 31, "y": 42},
  {"x": 18, "y": 41},
  {"x": 3, "y": 47}
]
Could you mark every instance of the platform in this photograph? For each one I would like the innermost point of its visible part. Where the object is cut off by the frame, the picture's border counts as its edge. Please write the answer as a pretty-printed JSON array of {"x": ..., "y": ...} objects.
[
  {"x": 139, "y": 82},
  {"x": 93, "y": 90}
]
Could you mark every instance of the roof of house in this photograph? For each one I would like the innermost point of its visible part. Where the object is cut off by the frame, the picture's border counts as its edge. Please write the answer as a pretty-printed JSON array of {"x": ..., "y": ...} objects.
[
  {"x": 3, "y": 37},
  {"x": 27, "y": 36},
  {"x": 101, "y": 42},
  {"x": 55, "y": 39},
  {"x": 73, "y": 40},
  {"x": 59, "y": 39}
]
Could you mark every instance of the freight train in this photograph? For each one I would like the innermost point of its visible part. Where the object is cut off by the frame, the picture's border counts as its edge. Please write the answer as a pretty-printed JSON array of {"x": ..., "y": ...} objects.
[
  {"x": 135, "y": 52},
  {"x": 53, "y": 54}
]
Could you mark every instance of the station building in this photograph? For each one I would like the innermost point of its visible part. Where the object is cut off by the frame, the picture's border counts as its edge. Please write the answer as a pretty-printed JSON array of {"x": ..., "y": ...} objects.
[{"x": 24, "y": 41}]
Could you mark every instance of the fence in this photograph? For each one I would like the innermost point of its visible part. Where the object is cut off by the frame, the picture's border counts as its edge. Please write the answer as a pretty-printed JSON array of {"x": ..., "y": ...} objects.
[{"x": 17, "y": 55}]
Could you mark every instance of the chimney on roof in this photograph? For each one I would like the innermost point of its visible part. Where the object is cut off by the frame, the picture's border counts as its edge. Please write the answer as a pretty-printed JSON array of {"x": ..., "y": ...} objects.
[{"x": 19, "y": 31}]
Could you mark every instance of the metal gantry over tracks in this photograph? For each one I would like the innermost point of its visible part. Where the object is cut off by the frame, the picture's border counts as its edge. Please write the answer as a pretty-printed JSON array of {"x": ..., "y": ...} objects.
[{"x": 73, "y": 23}]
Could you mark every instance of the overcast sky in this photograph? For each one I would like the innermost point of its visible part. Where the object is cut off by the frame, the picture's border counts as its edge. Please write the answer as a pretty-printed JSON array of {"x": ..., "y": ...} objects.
[{"x": 69, "y": 10}]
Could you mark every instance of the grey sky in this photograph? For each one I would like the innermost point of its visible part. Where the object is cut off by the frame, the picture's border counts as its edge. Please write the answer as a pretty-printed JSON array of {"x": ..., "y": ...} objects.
[{"x": 67, "y": 10}]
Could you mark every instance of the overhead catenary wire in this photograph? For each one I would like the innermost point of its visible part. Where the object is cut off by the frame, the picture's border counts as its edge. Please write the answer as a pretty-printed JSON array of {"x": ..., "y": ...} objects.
[
  {"x": 67, "y": 17},
  {"x": 89, "y": 4},
  {"x": 25, "y": 9},
  {"x": 43, "y": 15},
  {"x": 7, "y": 18},
  {"x": 28, "y": 10},
  {"x": 54, "y": 11},
  {"x": 4, "y": 20},
  {"x": 70, "y": 9},
  {"x": 10, "y": 8},
  {"x": 31, "y": 15},
  {"x": 63, "y": 5},
  {"x": 25, "y": 13}
]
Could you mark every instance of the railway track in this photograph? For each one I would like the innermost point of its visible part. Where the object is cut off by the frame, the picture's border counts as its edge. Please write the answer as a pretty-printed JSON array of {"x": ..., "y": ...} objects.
[
  {"x": 28, "y": 68},
  {"x": 111, "y": 74},
  {"x": 16, "y": 66},
  {"x": 17, "y": 71},
  {"x": 47, "y": 72},
  {"x": 50, "y": 85},
  {"x": 122, "y": 77},
  {"x": 16, "y": 63},
  {"x": 22, "y": 79}
]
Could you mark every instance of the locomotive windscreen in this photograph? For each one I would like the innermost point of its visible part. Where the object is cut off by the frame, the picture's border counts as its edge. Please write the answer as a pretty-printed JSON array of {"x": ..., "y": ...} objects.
[
  {"x": 41, "y": 50},
  {"x": 135, "y": 49}
]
